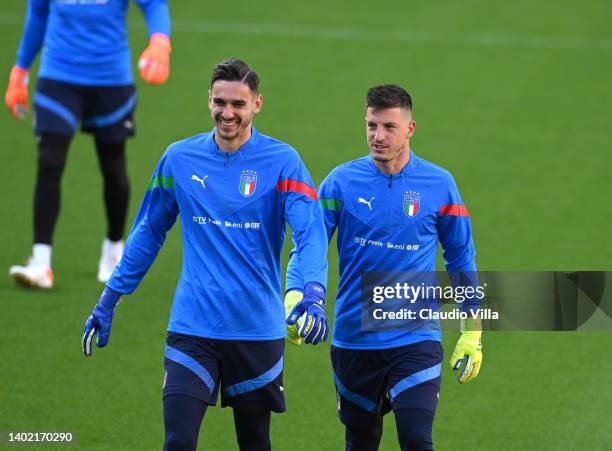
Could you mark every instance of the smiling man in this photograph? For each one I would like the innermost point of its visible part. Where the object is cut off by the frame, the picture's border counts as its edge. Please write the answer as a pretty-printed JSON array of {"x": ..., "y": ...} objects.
[
  {"x": 234, "y": 189},
  {"x": 390, "y": 208}
]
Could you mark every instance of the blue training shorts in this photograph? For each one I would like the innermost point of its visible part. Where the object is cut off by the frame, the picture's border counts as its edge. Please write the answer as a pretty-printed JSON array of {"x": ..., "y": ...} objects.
[
  {"x": 249, "y": 373},
  {"x": 369, "y": 383},
  {"x": 105, "y": 111}
]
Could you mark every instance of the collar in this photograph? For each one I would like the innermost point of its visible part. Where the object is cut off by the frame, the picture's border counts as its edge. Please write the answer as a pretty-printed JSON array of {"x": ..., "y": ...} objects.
[
  {"x": 210, "y": 144},
  {"x": 405, "y": 170}
]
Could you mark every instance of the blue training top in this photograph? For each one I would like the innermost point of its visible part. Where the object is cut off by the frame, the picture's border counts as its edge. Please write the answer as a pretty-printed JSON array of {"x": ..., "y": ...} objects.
[
  {"x": 389, "y": 222},
  {"x": 85, "y": 41},
  {"x": 233, "y": 209}
]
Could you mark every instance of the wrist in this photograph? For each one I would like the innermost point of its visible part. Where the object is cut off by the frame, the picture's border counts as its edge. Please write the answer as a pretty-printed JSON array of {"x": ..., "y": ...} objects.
[
  {"x": 109, "y": 299},
  {"x": 160, "y": 40},
  {"x": 315, "y": 289},
  {"x": 18, "y": 74}
]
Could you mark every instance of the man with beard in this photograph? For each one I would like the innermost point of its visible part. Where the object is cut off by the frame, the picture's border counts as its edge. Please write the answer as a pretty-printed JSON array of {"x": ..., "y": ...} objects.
[{"x": 234, "y": 189}]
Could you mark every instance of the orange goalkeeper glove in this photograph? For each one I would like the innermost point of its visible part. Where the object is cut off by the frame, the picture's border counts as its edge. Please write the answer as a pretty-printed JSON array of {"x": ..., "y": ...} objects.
[
  {"x": 16, "y": 97},
  {"x": 154, "y": 63}
]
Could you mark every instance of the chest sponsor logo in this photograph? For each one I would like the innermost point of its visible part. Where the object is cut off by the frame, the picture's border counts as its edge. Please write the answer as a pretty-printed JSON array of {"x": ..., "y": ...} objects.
[
  {"x": 412, "y": 203},
  {"x": 364, "y": 242},
  {"x": 248, "y": 183}
]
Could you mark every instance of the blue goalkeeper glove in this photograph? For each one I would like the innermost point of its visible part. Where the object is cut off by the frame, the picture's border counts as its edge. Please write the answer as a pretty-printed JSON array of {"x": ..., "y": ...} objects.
[
  {"x": 100, "y": 321},
  {"x": 313, "y": 327}
]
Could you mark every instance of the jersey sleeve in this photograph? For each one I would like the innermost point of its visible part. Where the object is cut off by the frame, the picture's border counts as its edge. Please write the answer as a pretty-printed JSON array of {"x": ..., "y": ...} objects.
[
  {"x": 157, "y": 16},
  {"x": 329, "y": 199},
  {"x": 455, "y": 233},
  {"x": 303, "y": 213},
  {"x": 156, "y": 216},
  {"x": 33, "y": 32}
]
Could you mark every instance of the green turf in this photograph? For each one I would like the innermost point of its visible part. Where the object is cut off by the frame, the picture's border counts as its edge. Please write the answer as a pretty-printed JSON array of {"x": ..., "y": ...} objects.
[{"x": 512, "y": 97}]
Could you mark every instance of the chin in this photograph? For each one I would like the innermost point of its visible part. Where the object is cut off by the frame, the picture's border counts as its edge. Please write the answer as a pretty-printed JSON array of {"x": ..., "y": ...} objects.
[{"x": 381, "y": 158}]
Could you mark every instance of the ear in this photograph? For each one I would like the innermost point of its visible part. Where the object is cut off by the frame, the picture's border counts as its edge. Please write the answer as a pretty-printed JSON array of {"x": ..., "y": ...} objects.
[
  {"x": 411, "y": 128},
  {"x": 210, "y": 105},
  {"x": 258, "y": 103}
]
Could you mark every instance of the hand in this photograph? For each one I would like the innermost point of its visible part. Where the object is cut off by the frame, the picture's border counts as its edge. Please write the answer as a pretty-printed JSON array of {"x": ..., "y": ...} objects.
[
  {"x": 100, "y": 321},
  {"x": 313, "y": 328},
  {"x": 468, "y": 346},
  {"x": 16, "y": 97},
  {"x": 291, "y": 299},
  {"x": 154, "y": 63}
]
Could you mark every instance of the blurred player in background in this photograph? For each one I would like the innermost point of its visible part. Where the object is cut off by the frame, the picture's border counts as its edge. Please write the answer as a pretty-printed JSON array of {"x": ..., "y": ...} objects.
[
  {"x": 233, "y": 189},
  {"x": 392, "y": 197},
  {"x": 85, "y": 77}
]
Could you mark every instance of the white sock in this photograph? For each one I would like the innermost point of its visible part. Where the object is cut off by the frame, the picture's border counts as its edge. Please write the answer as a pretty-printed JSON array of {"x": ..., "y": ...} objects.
[
  {"x": 112, "y": 247},
  {"x": 41, "y": 254}
]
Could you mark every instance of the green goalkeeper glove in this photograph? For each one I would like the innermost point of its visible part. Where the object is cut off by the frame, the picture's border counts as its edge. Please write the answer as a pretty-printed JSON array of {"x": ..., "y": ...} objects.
[
  {"x": 468, "y": 348},
  {"x": 291, "y": 298}
]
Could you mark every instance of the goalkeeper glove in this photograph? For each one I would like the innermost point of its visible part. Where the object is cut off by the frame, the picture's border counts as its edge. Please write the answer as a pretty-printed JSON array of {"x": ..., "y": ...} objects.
[
  {"x": 468, "y": 348},
  {"x": 100, "y": 321},
  {"x": 291, "y": 298},
  {"x": 313, "y": 327},
  {"x": 16, "y": 97},
  {"x": 154, "y": 63}
]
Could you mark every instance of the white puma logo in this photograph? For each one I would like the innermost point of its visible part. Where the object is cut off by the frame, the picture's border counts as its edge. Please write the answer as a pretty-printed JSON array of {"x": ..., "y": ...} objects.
[
  {"x": 361, "y": 200},
  {"x": 198, "y": 179}
]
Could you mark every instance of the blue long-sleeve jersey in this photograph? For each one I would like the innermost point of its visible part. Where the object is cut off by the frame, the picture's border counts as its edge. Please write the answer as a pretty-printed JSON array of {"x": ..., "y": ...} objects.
[
  {"x": 85, "y": 41},
  {"x": 389, "y": 222},
  {"x": 233, "y": 209}
]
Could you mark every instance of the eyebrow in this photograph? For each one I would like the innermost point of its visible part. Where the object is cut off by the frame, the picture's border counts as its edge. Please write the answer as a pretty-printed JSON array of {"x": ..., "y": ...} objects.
[
  {"x": 232, "y": 101},
  {"x": 386, "y": 124}
]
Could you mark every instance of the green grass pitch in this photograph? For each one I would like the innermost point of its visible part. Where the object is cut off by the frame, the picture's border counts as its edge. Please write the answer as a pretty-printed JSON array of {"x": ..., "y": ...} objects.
[{"x": 512, "y": 97}]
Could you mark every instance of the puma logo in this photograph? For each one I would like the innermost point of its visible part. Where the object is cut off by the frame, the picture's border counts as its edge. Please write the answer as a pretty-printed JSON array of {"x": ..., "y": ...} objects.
[
  {"x": 361, "y": 200},
  {"x": 200, "y": 180}
]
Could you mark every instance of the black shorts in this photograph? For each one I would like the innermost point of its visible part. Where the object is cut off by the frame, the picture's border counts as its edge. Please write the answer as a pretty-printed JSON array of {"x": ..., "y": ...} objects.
[
  {"x": 369, "y": 383},
  {"x": 250, "y": 372},
  {"x": 105, "y": 111}
]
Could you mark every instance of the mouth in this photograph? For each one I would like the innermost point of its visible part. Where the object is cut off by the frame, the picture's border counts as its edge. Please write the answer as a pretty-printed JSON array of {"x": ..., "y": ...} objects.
[
  {"x": 231, "y": 123},
  {"x": 379, "y": 147}
]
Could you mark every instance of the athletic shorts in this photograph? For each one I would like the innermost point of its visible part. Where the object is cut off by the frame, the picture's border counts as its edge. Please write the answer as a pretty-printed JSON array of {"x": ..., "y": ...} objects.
[
  {"x": 249, "y": 373},
  {"x": 105, "y": 111},
  {"x": 369, "y": 383}
]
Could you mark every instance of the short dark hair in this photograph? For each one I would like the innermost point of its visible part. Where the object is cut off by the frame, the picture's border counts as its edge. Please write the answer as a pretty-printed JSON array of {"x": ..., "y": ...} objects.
[
  {"x": 388, "y": 96},
  {"x": 232, "y": 69}
]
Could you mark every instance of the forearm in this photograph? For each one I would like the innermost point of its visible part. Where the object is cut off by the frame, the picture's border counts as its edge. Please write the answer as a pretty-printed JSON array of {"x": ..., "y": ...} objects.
[
  {"x": 157, "y": 16},
  {"x": 140, "y": 252},
  {"x": 33, "y": 33}
]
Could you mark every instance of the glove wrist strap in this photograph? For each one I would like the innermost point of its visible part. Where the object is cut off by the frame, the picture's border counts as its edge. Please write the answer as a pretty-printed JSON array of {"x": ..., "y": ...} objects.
[
  {"x": 315, "y": 289},
  {"x": 109, "y": 298}
]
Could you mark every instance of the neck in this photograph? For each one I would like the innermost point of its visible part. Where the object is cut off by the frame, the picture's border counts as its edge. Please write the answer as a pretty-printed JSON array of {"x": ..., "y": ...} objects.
[
  {"x": 232, "y": 145},
  {"x": 395, "y": 165}
]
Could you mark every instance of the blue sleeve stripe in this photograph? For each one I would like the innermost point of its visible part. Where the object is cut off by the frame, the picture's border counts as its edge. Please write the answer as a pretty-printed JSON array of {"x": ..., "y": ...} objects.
[
  {"x": 111, "y": 118},
  {"x": 256, "y": 382},
  {"x": 183, "y": 359},
  {"x": 57, "y": 108},
  {"x": 355, "y": 398},
  {"x": 415, "y": 379}
]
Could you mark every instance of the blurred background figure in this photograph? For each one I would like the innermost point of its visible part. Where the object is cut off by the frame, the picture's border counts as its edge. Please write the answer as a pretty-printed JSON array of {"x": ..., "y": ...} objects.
[{"x": 84, "y": 78}]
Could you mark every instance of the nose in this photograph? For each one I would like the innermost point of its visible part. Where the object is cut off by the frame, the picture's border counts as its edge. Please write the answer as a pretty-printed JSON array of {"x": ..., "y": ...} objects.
[
  {"x": 379, "y": 135},
  {"x": 227, "y": 112}
]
